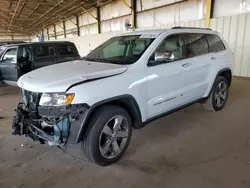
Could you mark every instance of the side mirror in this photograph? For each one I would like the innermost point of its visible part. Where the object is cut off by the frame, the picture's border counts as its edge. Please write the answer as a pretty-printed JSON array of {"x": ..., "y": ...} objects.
[
  {"x": 160, "y": 57},
  {"x": 163, "y": 56}
]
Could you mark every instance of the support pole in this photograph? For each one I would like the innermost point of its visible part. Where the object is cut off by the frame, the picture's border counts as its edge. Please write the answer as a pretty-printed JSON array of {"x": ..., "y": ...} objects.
[
  {"x": 77, "y": 26},
  {"x": 48, "y": 33},
  {"x": 59, "y": 25},
  {"x": 64, "y": 29},
  {"x": 212, "y": 9},
  {"x": 98, "y": 20},
  {"x": 55, "y": 31},
  {"x": 70, "y": 20},
  {"x": 208, "y": 13},
  {"x": 132, "y": 13},
  {"x": 88, "y": 12}
]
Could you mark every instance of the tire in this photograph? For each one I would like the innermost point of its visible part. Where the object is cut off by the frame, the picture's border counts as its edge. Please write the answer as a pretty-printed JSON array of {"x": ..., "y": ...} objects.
[
  {"x": 211, "y": 103},
  {"x": 98, "y": 135}
]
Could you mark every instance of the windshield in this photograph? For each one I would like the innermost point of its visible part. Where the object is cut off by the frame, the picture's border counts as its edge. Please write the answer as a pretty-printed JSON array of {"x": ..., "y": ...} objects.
[{"x": 120, "y": 50}]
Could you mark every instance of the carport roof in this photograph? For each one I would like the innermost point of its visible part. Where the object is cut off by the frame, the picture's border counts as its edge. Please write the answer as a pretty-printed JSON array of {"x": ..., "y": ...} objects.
[{"x": 29, "y": 16}]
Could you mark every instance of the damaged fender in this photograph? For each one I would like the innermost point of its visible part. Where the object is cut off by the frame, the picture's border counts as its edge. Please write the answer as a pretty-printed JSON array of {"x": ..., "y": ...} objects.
[{"x": 56, "y": 125}]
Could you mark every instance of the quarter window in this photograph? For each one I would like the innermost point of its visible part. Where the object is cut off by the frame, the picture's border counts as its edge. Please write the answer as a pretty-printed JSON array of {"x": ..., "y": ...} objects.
[
  {"x": 65, "y": 50},
  {"x": 195, "y": 45},
  {"x": 215, "y": 43}
]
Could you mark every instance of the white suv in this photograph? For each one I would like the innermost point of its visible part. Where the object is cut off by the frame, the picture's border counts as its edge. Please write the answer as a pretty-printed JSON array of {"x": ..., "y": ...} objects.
[{"x": 124, "y": 83}]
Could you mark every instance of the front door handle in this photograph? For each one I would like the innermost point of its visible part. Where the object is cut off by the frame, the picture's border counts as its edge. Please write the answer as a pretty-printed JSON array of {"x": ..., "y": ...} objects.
[
  {"x": 213, "y": 58},
  {"x": 186, "y": 64}
]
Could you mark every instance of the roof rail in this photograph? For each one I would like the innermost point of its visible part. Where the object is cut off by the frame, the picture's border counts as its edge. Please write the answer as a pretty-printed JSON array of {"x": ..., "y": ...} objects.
[{"x": 179, "y": 27}]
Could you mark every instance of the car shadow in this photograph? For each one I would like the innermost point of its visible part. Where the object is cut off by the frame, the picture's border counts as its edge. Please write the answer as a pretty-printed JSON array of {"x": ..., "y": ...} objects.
[
  {"x": 174, "y": 125},
  {"x": 165, "y": 128},
  {"x": 237, "y": 90}
]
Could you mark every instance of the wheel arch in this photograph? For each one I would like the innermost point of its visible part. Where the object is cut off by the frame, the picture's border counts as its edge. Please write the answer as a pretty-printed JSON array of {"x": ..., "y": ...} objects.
[
  {"x": 227, "y": 73},
  {"x": 128, "y": 102}
]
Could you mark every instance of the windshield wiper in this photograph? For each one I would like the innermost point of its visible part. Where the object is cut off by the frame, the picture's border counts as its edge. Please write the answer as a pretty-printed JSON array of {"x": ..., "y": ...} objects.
[
  {"x": 87, "y": 59},
  {"x": 100, "y": 60},
  {"x": 104, "y": 61}
]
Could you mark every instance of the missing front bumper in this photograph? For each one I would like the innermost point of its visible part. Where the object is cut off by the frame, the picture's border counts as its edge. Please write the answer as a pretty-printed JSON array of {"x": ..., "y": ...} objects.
[{"x": 54, "y": 125}]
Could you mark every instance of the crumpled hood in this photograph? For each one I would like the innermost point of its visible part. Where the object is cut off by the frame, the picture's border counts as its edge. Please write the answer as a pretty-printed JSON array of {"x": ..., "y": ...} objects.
[{"x": 59, "y": 77}]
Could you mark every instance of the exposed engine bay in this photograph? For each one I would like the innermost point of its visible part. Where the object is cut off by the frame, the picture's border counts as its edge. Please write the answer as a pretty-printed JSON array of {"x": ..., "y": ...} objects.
[{"x": 50, "y": 124}]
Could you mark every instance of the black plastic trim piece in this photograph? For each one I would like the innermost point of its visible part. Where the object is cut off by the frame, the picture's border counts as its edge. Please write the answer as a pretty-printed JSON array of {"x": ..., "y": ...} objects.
[
  {"x": 223, "y": 70},
  {"x": 170, "y": 112},
  {"x": 164, "y": 101},
  {"x": 96, "y": 105},
  {"x": 179, "y": 27}
]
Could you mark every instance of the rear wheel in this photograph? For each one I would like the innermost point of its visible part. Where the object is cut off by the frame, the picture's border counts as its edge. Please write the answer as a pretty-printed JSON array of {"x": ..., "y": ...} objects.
[
  {"x": 108, "y": 135},
  {"x": 218, "y": 96}
]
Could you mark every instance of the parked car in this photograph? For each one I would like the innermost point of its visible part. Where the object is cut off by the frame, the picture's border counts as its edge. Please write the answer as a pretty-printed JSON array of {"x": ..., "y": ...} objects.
[
  {"x": 3, "y": 45},
  {"x": 10, "y": 42},
  {"x": 124, "y": 83},
  {"x": 18, "y": 59}
]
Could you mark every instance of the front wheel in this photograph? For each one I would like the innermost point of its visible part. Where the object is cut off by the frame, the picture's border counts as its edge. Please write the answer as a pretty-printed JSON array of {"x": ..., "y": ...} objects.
[
  {"x": 218, "y": 96},
  {"x": 108, "y": 135}
]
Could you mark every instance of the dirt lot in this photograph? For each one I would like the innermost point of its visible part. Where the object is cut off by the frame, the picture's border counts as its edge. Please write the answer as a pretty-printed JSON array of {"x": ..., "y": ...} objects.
[{"x": 192, "y": 148}]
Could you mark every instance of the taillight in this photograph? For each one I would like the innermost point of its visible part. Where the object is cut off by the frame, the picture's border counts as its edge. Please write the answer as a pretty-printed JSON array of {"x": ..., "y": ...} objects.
[{"x": 79, "y": 57}]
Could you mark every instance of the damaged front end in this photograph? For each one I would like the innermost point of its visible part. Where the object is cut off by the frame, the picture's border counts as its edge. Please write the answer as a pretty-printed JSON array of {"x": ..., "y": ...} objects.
[{"x": 56, "y": 125}]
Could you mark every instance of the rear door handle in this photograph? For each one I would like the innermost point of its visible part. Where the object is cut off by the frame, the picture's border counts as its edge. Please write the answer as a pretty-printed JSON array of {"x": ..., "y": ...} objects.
[
  {"x": 186, "y": 64},
  {"x": 213, "y": 58}
]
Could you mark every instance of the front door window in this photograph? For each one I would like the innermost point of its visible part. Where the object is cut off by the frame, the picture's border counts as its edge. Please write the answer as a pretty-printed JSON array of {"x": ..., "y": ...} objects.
[{"x": 10, "y": 55}]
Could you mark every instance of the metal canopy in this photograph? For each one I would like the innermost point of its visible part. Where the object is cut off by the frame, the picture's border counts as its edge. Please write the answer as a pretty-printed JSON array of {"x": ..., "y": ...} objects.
[{"x": 30, "y": 16}]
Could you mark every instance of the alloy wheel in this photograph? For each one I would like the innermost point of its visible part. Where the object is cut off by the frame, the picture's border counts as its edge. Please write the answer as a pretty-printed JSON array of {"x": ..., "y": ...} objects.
[
  {"x": 113, "y": 137},
  {"x": 221, "y": 94}
]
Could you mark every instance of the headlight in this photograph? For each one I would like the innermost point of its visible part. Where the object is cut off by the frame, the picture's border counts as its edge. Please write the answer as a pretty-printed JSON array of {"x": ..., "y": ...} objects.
[{"x": 56, "y": 99}]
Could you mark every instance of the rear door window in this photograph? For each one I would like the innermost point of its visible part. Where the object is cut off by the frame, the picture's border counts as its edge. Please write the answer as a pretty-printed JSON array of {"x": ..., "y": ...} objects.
[
  {"x": 215, "y": 43},
  {"x": 65, "y": 50},
  {"x": 41, "y": 51},
  {"x": 195, "y": 44},
  {"x": 10, "y": 55},
  {"x": 24, "y": 53}
]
